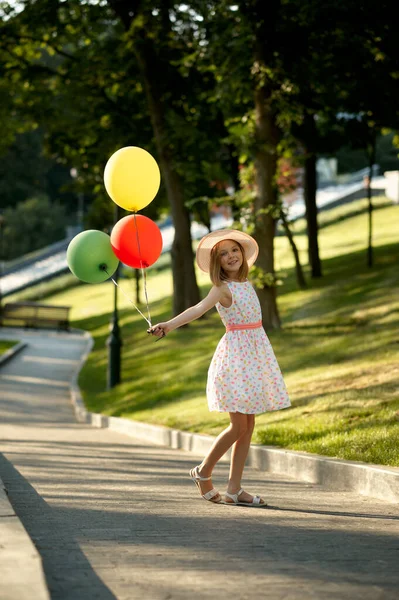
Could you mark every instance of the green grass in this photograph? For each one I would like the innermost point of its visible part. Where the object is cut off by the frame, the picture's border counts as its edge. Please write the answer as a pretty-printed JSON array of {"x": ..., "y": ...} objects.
[
  {"x": 338, "y": 349},
  {"x": 41, "y": 291},
  {"x": 6, "y": 345}
]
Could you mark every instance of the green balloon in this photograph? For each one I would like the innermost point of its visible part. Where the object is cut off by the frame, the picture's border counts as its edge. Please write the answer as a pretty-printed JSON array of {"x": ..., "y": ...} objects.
[{"x": 90, "y": 256}]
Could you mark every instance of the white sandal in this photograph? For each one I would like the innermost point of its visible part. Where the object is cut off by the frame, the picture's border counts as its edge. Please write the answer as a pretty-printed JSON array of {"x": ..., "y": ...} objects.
[
  {"x": 255, "y": 503},
  {"x": 196, "y": 477}
]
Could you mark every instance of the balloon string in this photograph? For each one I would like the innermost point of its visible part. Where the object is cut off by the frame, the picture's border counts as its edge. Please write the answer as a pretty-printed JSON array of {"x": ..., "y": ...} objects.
[
  {"x": 143, "y": 273},
  {"x": 127, "y": 297},
  {"x": 131, "y": 302}
]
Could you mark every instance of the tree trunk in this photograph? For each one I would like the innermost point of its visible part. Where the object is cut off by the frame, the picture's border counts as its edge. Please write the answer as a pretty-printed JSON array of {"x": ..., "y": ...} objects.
[
  {"x": 234, "y": 169},
  {"x": 185, "y": 288},
  {"x": 300, "y": 277},
  {"x": 262, "y": 18},
  {"x": 371, "y": 157},
  {"x": 233, "y": 163},
  {"x": 265, "y": 171},
  {"x": 137, "y": 281},
  {"x": 310, "y": 188}
]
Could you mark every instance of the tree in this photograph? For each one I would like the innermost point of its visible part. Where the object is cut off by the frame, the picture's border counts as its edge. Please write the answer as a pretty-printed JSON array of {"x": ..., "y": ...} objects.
[
  {"x": 25, "y": 172},
  {"x": 348, "y": 69},
  {"x": 287, "y": 182},
  {"x": 238, "y": 45},
  {"x": 80, "y": 60},
  {"x": 31, "y": 225},
  {"x": 58, "y": 66},
  {"x": 138, "y": 21}
]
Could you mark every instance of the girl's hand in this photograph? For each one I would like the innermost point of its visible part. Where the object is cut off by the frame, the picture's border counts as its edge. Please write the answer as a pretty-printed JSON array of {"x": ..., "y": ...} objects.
[{"x": 159, "y": 330}]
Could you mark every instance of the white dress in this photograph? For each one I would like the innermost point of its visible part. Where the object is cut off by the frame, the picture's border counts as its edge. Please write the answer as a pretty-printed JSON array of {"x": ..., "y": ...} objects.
[{"x": 244, "y": 375}]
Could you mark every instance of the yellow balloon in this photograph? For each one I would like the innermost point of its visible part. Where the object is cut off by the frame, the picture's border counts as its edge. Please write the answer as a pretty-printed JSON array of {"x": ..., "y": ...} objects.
[{"x": 132, "y": 178}]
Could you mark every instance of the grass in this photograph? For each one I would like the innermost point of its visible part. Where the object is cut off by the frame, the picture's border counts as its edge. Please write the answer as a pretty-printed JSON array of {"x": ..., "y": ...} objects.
[
  {"x": 338, "y": 348},
  {"x": 6, "y": 345},
  {"x": 41, "y": 291}
]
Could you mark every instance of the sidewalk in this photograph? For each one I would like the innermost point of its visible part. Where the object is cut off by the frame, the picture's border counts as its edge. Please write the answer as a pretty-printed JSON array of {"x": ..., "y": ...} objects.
[{"x": 114, "y": 517}]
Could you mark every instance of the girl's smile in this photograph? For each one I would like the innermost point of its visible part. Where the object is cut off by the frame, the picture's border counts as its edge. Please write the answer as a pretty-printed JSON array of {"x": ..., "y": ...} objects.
[{"x": 230, "y": 257}]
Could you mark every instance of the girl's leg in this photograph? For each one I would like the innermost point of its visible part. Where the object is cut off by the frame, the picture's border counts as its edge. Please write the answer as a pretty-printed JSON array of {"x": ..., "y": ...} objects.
[
  {"x": 236, "y": 429},
  {"x": 238, "y": 458}
]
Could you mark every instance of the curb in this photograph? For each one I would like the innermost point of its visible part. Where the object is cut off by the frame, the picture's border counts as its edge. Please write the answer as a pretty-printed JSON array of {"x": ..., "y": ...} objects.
[
  {"x": 365, "y": 479},
  {"x": 11, "y": 352},
  {"x": 22, "y": 574}
]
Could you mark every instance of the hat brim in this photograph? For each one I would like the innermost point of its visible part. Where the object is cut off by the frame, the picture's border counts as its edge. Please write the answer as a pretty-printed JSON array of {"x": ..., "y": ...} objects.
[{"x": 209, "y": 241}]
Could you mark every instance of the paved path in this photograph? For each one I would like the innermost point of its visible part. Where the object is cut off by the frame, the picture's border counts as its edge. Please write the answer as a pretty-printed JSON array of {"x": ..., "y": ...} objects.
[{"x": 114, "y": 518}]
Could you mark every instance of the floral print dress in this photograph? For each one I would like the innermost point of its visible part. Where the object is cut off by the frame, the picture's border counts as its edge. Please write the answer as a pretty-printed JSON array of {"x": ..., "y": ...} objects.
[{"x": 244, "y": 375}]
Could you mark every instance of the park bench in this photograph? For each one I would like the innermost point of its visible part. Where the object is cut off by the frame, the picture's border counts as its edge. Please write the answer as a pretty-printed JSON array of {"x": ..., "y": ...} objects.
[{"x": 31, "y": 314}]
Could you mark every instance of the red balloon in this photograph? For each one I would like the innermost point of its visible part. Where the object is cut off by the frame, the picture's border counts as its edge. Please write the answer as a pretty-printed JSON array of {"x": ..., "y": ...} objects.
[{"x": 136, "y": 241}]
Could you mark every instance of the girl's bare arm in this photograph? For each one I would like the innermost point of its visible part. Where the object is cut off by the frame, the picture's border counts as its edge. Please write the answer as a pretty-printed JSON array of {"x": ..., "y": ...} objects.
[{"x": 192, "y": 313}]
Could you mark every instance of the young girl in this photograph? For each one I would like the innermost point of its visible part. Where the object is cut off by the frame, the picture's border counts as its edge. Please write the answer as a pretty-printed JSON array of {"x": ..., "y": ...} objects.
[{"x": 244, "y": 378}]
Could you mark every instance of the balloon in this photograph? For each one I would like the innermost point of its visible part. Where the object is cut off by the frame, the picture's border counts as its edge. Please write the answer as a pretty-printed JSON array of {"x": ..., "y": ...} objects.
[
  {"x": 136, "y": 241},
  {"x": 90, "y": 256},
  {"x": 132, "y": 178}
]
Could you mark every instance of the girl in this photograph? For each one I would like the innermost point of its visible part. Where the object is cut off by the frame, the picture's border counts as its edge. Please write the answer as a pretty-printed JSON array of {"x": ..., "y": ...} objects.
[{"x": 244, "y": 378}]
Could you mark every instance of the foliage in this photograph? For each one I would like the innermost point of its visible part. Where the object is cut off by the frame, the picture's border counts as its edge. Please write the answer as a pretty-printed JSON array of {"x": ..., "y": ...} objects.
[
  {"x": 350, "y": 159},
  {"x": 26, "y": 172},
  {"x": 74, "y": 68},
  {"x": 32, "y": 224},
  {"x": 66, "y": 60},
  {"x": 261, "y": 279}
]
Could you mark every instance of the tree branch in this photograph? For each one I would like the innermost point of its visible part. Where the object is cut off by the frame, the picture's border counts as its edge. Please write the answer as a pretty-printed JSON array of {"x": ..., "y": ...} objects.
[
  {"x": 30, "y": 65},
  {"x": 42, "y": 41}
]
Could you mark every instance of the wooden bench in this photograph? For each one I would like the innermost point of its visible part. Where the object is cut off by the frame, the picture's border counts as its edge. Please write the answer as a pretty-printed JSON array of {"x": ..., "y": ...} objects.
[{"x": 31, "y": 314}]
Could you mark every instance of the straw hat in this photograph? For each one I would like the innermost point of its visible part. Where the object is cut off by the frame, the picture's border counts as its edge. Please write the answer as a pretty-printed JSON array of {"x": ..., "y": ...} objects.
[{"x": 209, "y": 241}]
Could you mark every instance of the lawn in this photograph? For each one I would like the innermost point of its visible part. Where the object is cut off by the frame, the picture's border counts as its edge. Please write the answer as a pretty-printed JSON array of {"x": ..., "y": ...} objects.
[
  {"x": 338, "y": 348},
  {"x": 6, "y": 345}
]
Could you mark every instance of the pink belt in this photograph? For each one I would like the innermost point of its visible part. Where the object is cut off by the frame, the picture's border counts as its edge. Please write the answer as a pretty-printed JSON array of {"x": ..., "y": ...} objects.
[{"x": 244, "y": 326}]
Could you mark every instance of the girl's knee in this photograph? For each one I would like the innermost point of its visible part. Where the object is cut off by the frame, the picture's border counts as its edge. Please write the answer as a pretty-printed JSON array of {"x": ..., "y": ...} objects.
[
  {"x": 239, "y": 425},
  {"x": 241, "y": 431},
  {"x": 250, "y": 424},
  {"x": 248, "y": 428}
]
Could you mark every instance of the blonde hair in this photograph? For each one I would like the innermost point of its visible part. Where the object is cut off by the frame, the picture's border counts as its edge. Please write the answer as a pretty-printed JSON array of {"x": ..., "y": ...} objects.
[{"x": 217, "y": 273}]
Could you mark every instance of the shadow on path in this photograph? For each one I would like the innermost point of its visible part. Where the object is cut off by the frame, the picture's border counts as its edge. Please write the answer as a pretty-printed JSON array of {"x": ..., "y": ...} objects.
[
  {"x": 142, "y": 531},
  {"x": 57, "y": 546}
]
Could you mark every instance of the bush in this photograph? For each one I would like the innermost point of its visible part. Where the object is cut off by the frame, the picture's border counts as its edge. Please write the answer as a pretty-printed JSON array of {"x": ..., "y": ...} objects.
[{"x": 31, "y": 225}]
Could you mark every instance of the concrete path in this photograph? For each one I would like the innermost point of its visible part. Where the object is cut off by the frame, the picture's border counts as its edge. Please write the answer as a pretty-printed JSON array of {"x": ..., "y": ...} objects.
[{"x": 116, "y": 518}]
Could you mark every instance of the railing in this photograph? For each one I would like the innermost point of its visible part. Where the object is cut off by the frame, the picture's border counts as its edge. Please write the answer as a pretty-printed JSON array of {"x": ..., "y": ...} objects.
[{"x": 357, "y": 175}]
